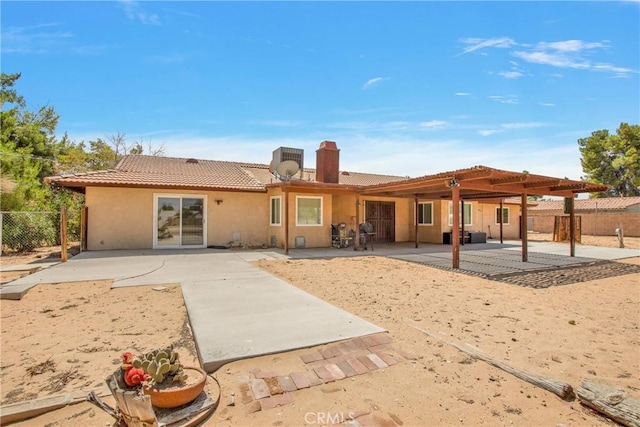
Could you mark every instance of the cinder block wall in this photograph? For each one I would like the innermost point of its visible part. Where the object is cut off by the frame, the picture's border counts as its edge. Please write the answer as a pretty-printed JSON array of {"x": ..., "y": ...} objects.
[{"x": 601, "y": 224}]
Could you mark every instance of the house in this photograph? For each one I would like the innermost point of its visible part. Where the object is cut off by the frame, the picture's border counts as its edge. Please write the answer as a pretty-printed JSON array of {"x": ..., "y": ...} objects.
[
  {"x": 599, "y": 217},
  {"x": 163, "y": 202}
]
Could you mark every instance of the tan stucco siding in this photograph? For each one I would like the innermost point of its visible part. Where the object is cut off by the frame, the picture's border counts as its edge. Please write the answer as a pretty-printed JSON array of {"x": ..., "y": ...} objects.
[
  {"x": 122, "y": 218},
  {"x": 432, "y": 233},
  {"x": 510, "y": 231},
  {"x": 240, "y": 218},
  {"x": 315, "y": 236},
  {"x": 119, "y": 218}
]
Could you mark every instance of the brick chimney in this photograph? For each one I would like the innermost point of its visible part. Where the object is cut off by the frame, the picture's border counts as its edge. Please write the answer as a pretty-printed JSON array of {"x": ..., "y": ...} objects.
[{"x": 328, "y": 162}]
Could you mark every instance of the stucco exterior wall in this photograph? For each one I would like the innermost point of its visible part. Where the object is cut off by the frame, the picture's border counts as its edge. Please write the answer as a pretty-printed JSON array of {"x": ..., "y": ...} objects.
[
  {"x": 315, "y": 236},
  {"x": 483, "y": 219},
  {"x": 119, "y": 218},
  {"x": 123, "y": 218}
]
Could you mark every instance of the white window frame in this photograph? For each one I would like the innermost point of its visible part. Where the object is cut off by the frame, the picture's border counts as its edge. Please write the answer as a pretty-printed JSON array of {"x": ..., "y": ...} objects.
[
  {"x": 506, "y": 208},
  {"x": 420, "y": 204},
  {"x": 450, "y": 214},
  {"x": 271, "y": 201},
  {"x": 321, "y": 210},
  {"x": 157, "y": 197}
]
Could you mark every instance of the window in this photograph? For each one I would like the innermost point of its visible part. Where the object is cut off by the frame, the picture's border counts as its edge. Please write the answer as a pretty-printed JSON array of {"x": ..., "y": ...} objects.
[
  {"x": 308, "y": 211},
  {"x": 425, "y": 213},
  {"x": 275, "y": 212},
  {"x": 468, "y": 219},
  {"x": 505, "y": 216}
]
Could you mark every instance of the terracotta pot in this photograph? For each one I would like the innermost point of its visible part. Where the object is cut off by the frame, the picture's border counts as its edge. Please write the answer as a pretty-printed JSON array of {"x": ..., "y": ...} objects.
[{"x": 180, "y": 394}]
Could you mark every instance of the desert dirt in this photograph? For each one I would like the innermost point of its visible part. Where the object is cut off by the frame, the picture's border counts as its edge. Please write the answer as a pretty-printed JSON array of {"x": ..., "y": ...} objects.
[{"x": 66, "y": 338}]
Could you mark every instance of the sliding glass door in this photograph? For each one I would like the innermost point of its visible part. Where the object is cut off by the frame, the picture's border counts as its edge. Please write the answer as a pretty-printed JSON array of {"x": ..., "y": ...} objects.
[{"x": 180, "y": 221}]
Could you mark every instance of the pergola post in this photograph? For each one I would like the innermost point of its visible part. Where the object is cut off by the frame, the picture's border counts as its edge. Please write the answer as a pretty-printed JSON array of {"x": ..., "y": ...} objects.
[
  {"x": 455, "y": 229},
  {"x": 356, "y": 244},
  {"x": 462, "y": 222},
  {"x": 572, "y": 228},
  {"x": 501, "y": 220},
  {"x": 523, "y": 227},
  {"x": 415, "y": 209}
]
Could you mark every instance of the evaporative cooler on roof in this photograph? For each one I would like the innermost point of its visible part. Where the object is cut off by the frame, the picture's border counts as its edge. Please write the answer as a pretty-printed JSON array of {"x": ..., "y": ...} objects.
[{"x": 285, "y": 153}]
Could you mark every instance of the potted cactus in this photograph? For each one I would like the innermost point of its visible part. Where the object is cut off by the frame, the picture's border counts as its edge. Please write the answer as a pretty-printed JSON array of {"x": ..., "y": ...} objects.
[{"x": 161, "y": 375}]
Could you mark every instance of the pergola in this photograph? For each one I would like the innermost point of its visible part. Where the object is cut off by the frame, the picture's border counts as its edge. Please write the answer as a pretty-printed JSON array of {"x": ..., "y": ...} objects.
[{"x": 482, "y": 183}]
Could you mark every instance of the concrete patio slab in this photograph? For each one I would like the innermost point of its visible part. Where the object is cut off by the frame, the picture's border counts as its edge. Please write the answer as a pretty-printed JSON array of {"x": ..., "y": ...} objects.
[
  {"x": 236, "y": 310},
  {"x": 246, "y": 317}
]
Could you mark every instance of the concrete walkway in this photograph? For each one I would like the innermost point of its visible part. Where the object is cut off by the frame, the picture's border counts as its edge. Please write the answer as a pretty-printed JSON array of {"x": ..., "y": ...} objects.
[{"x": 238, "y": 311}]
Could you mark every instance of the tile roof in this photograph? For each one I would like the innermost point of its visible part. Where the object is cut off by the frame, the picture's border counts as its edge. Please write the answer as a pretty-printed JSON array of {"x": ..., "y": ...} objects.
[
  {"x": 605, "y": 203},
  {"x": 170, "y": 172}
]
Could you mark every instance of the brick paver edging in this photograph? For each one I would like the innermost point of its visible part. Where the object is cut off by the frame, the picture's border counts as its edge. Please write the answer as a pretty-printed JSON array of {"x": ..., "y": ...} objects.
[{"x": 262, "y": 390}]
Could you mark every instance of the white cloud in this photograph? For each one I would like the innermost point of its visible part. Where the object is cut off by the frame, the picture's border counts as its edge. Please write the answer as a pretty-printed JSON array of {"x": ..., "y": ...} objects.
[
  {"x": 617, "y": 71},
  {"x": 547, "y": 104},
  {"x": 512, "y": 75},
  {"x": 509, "y": 99},
  {"x": 477, "y": 43},
  {"x": 135, "y": 12},
  {"x": 433, "y": 124},
  {"x": 44, "y": 39},
  {"x": 574, "y": 54},
  {"x": 488, "y": 132},
  {"x": 555, "y": 59},
  {"x": 570, "y": 45},
  {"x": 373, "y": 82},
  {"x": 462, "y": 94}
]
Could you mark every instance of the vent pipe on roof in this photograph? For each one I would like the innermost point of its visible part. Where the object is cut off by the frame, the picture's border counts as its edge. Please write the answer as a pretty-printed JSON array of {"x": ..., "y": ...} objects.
[{"x": 328, "y": 163}]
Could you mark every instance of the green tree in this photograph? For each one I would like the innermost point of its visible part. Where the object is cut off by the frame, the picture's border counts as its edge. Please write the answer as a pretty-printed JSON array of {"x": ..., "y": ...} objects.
[
  {"x": 613, "y": 160},
  {"x": 27, "y": 148}
]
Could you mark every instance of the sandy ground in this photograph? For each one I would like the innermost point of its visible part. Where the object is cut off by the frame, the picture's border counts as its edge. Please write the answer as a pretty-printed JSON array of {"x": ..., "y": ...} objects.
[{"x": 587, "y": 330}]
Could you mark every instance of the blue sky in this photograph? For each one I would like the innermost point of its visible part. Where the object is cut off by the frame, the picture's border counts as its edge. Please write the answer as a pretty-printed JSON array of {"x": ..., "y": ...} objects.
[{"x": 403, "y": 88}]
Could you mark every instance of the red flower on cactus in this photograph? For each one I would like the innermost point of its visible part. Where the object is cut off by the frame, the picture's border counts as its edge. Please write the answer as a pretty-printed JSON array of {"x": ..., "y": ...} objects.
[
  {"x": 127, "y": 360},
  {"x": 134, "y": 377},
  {"x": 127, "y": 357}
]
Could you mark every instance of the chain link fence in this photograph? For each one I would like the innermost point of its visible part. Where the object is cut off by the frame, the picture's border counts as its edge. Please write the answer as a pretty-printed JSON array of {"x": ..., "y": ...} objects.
[{"x": 26, "y": 231}]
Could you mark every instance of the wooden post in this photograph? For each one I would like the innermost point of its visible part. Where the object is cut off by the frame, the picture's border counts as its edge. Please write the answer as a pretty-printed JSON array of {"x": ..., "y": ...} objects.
[
  {"x": 455, "y": 229},
  {"x": 613, "y": 402},
  {"x": 462, "y": 222},
  {"x": 621, "y": 235},
  {"x": 572, "y": 228},
  {"x": 356, "y": 245},
  {"x": 286, "y": 219},
  {"x": 84, "y": 211},
  {"x": 501, "y": 221},
  {"x": 415, "y": 209},
  {"x": 523, "y": 227},
  {"x": 63, "y": 233}
]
